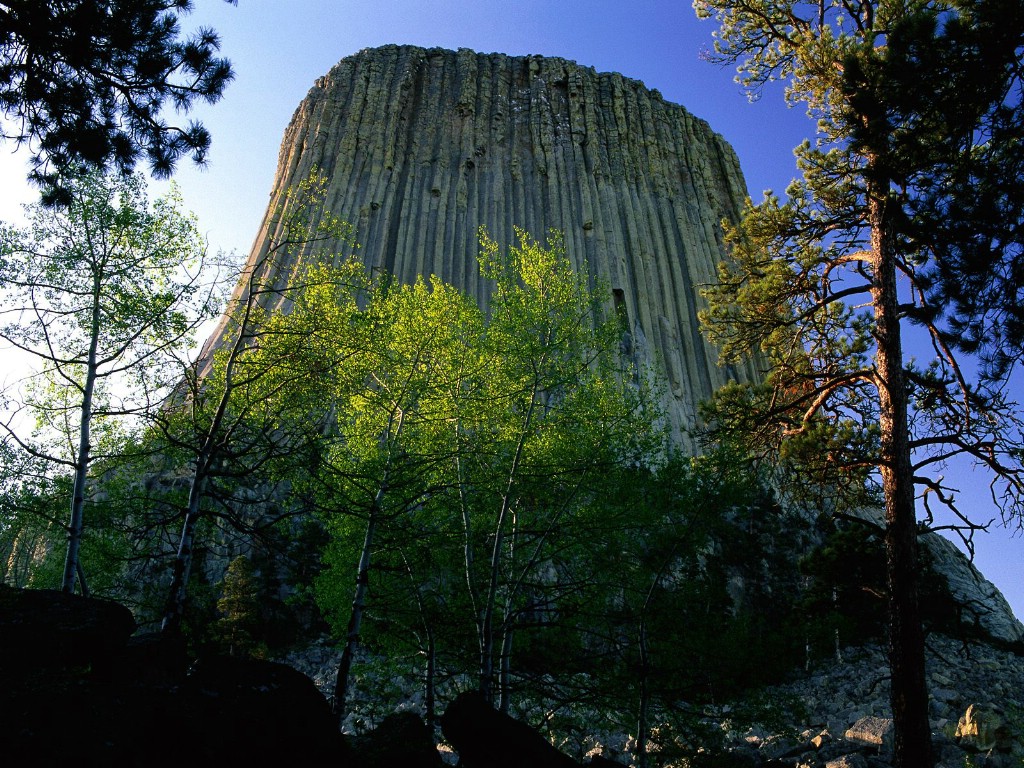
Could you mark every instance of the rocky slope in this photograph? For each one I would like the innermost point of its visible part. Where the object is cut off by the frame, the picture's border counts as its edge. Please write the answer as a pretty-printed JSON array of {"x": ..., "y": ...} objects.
[{"x": 834, "y": 714}]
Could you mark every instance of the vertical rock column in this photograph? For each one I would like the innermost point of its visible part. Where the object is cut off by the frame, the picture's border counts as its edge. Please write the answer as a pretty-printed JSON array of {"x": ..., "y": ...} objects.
[{"x": 424, "y": 146}]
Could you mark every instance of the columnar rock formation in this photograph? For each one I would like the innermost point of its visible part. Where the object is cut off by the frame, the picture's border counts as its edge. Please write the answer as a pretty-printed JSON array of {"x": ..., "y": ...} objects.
[{"x": 422, "y": 147}]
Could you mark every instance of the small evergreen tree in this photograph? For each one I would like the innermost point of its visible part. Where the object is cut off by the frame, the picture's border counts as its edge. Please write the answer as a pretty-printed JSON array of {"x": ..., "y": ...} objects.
[{"x": 239, "y": 608}]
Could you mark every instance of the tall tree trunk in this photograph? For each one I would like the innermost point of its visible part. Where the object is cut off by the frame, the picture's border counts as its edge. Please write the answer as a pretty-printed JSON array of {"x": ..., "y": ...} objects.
[
  {"x": 76, "y": 522},
  {"x": 174, "y": 610},
  {"x": 355, "y": 619},
  {"x": 643, "y": 710},
  {"x": 467, "y": 531},
  {"x": 430, "y": 703},
  {"x": 913, "y": 748},
  {"x": 83, "y": 585},
  {"x": 505, "y": 668},
  {"x": 487, "y": 624}
]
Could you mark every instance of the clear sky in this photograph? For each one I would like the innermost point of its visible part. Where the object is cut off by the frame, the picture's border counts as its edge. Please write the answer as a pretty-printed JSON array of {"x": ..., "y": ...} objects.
[{"x": 279, "y": 48}]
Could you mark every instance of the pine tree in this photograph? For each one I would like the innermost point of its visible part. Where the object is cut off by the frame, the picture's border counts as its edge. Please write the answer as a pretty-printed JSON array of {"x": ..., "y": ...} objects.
[
  {"x": 239, "y": 608},
  {"x": 919, "y": 111},
  {"x": 83, "y": 84}
]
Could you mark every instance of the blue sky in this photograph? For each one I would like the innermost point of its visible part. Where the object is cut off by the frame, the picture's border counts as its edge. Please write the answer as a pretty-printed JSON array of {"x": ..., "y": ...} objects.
[{"x": 280, "y": 47}]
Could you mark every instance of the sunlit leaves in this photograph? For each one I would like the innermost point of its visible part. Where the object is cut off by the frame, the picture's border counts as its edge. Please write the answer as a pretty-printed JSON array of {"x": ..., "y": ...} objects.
[
  {"x": 100, "y": 295},
  {"x": 463, "y": 429},
  {"x": 111, "y": 284}
]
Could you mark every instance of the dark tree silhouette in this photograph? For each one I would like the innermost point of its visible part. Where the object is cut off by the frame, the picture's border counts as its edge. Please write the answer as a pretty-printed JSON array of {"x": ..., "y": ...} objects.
[{"x": 85, "y": 82}]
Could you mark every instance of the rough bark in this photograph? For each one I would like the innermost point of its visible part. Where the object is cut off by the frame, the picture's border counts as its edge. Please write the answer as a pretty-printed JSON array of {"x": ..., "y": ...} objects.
[{"x": 906, "y": 639}]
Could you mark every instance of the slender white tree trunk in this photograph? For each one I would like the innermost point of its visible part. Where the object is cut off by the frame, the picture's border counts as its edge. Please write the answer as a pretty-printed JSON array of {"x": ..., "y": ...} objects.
[
  {"x": 72, "y": 567},
  {"x": 174, "y": 611},
  {"x": 355, "y": 619}
]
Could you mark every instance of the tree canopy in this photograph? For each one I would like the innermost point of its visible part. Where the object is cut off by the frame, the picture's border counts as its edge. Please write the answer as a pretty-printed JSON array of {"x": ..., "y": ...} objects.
[
  {"x": 99, "y": 296},
  {"x": 905, "y": 227},
  {"x": 83, "y": 83},
  {"x": 485, "y": 433}
]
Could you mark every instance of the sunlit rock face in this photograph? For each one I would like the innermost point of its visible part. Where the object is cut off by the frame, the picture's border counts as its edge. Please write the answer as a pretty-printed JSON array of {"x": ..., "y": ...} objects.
[
  {"x": 425, "y": 146},
  {"x": 422, "y": 147}
]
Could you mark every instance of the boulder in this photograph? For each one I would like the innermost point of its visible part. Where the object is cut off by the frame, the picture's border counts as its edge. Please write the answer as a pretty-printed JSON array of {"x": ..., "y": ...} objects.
[
  {"x": 262, "y": 711},
  {"x": 486, "y": 738},
  {"x": 983, "y": 728},
  {"x": 876, "y": 732},
  {"x": 401, "y": 739},
  {"x": 853, "y": 760},
  {"x": 153, "y": 659},
  {"x": 75, "y": 689},
  {"x": 44, "y": 628}
]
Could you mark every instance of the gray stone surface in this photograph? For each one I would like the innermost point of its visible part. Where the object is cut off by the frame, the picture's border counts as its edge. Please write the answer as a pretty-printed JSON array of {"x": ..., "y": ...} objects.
[
  {"x": 425, "y": 146},
  {"x": 984, "y": 606},
  {"x": 873, "y": 732},
  {"x": 854, "y": 760}
]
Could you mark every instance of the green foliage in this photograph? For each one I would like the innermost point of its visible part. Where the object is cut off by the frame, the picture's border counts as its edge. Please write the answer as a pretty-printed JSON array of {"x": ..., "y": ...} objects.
[
  {"x": 239, "y": 607},
  {"x": 905, "y": 129},
  {"x": 881, "y": 240},
  {"x": 32, "y": 534},
  {"x": 100, "y": 295},
  {"x": 227, "y": 420},
  {"x": 846, "y": 590},
  {"x": 462, "y": 450},
  {"x": 110, "y": 259}
]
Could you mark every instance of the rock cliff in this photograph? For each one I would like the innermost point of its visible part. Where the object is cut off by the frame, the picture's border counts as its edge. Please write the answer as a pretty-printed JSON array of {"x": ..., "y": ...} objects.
[{"x": 424, "y": 146}]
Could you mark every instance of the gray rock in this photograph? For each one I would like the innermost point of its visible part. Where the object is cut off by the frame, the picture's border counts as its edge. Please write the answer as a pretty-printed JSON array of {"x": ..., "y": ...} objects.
[
  {"x": 984, "y": 606},
  {"x": 874, "y": 732},
  {"x": 983, "y": 728},
  {"x": 854, "y": 760},
  {"x": 424, "y": 146}
]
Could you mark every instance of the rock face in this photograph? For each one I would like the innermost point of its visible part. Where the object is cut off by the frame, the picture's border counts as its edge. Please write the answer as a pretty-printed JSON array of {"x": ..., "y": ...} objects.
[
  {"x": 425, "y": 146},
  {"x": 981, "y": 606}
]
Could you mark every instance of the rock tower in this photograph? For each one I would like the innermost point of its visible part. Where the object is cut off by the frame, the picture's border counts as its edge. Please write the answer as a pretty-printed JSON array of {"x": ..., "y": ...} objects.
[{"x": 423, "y": 147}]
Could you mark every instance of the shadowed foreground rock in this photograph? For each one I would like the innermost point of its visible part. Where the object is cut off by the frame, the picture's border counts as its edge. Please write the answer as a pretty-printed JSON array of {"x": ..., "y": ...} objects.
[
  {"x": 401, "y": 739},
  {"x": 486, "y": 738},
  {"x": 47, "y": 627},
  {"x": 74, "y": 691}
]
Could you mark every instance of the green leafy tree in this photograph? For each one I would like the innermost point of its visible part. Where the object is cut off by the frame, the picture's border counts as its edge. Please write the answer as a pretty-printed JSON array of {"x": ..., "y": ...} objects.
[
  {"x": 100, "y": 295},
  {"x": 906, "y": 223},
  {"x": 558, "y": 409},
  {"x": 485, "y": 434},
  {"x": 676, "y": 616},
  {"x": 386, "y": 372},
  {"x": 32, "y": 516},
  {"x": 83, "y": 84},
  {"x": 225, "y": 419}
]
